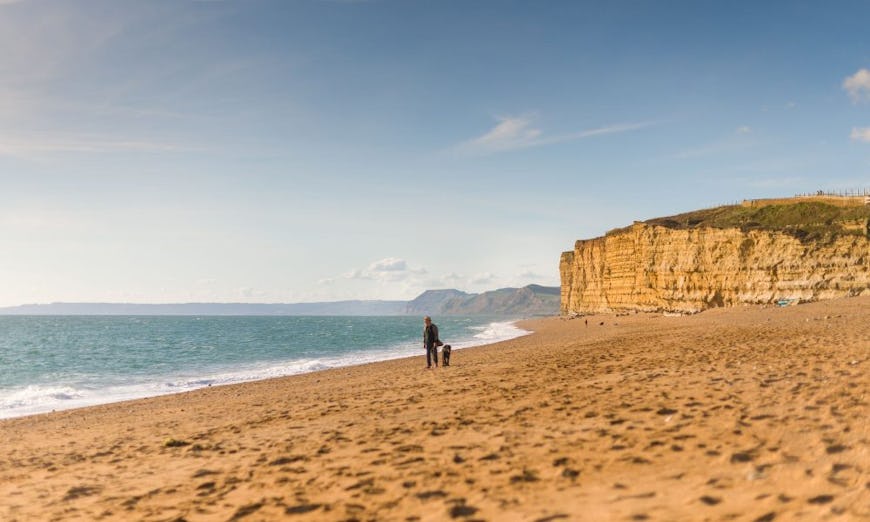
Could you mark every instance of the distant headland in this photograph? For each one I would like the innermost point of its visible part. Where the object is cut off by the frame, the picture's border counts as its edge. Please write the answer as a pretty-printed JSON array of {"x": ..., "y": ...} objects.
[{"x": 528, "y": 301}]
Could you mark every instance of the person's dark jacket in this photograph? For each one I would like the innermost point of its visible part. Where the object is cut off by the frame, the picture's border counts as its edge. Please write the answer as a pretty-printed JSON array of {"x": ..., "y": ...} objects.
[{"x": 430, "y": 335}]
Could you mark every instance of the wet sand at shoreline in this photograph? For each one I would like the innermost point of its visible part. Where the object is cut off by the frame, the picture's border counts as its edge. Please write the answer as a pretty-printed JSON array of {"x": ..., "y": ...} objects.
[{"x": 748, "y": 413}]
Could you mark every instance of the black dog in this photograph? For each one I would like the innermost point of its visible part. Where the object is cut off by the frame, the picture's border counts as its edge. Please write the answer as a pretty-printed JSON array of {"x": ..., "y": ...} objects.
[{"x": 445, "y": 354}]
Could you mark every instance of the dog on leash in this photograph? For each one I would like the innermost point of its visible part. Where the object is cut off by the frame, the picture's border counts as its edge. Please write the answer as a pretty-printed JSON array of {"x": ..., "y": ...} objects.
[{"x": 445, "y": 354}]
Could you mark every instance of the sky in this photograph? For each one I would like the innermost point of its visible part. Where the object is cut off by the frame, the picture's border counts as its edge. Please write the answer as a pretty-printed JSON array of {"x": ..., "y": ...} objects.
[{"x": 170, "y": 151}]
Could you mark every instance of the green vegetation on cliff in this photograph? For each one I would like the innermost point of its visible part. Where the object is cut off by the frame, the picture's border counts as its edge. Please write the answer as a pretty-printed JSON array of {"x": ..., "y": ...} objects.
[{"x": 810, "y": 221}]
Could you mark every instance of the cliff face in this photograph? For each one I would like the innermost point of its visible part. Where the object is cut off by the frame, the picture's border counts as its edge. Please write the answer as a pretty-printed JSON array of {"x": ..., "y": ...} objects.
[{"x": 654, "y": 268}]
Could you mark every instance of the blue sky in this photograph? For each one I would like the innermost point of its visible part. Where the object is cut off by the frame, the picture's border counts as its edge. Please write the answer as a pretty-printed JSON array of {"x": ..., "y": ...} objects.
[{"x": 302, "y": 150}]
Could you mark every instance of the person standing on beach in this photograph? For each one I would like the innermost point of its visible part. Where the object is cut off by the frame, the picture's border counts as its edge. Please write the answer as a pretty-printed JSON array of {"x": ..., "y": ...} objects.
[{"x": 430, "y": 341}]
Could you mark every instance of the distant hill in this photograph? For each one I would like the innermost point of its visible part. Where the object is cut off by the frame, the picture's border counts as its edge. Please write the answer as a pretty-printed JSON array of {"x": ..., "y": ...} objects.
[
  {"x": 327, "y": 308},
  {"x": 526, "y": 301},
  {"x": 432, "y": 301}
]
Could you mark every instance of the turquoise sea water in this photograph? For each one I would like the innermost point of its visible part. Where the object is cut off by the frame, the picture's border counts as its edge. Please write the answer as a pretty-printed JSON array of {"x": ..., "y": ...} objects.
[{"x": 59, "y": 362}]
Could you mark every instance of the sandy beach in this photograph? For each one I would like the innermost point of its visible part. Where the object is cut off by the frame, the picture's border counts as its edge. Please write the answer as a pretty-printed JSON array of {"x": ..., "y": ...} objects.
[{"x": 749, "y": 413}]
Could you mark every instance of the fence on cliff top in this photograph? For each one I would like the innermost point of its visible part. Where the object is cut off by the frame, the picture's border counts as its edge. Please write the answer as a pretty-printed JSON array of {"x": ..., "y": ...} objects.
[
  {"x": 846, "y": 198},
  {"x": 849, "y": 193}
]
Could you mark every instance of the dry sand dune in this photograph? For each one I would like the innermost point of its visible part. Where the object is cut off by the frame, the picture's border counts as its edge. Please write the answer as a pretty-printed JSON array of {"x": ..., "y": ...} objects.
[{"x": 741, "y": 414}]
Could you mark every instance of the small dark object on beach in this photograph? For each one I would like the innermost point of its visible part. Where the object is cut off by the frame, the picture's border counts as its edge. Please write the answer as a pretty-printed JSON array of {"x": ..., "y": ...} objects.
[
  {"x": 742, "y": 457},
  {"x": 527, "y": 476},
  {"x": 80, "y": 491},
  {"x": 302, "y": 508},
  {"x": 462, "y": 510},
  {"x": 445, "y": 354}
]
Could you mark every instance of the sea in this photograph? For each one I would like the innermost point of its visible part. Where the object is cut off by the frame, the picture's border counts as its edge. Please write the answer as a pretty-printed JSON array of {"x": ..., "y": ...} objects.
[{"x": 50, "y": 363}]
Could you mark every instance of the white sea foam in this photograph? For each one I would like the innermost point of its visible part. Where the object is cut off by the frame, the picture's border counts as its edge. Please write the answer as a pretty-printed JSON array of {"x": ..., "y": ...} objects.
[
  {"x": 36, "y": 399},
  {"x": 495, "y": 332},
  {"x": 40, "y": 399}
]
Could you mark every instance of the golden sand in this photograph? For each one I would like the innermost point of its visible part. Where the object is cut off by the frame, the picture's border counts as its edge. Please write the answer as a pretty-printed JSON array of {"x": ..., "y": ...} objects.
[{"x": 752, "y": 413}]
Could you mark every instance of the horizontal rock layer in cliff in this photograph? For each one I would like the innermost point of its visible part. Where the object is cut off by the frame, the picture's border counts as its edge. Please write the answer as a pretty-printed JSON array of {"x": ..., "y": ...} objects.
[{"x": 655, "y": 268}]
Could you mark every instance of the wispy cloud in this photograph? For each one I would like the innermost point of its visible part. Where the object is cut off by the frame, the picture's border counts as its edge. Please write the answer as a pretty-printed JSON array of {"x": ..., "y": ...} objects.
[
  {"x": 389, "y": 269},
  {"x": 513, "y": 133},
  {"x": 745, "y": 129},
  {"x": 63, "y": 88},
  {"x": 393, "y": 277},
  {"x": 509, "y": 133},
  {"x": 389, "y": 264},
  {"x": 247, "y": 292},
  {"x": 453, "y": 277},
  {"x": 483, "y": 279},
  {"x": 47, "y": 42},
  {"x": 858, "y": 85},
  {"x": 860, "y": 134}
]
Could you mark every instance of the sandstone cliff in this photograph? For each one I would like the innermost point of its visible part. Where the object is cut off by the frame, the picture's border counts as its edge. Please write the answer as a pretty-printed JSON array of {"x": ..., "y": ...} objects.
[{"x": 688, "y": 268}]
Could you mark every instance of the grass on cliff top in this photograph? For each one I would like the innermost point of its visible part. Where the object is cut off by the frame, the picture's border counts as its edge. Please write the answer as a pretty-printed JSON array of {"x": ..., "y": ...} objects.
[{"x": 810, "y": 221}]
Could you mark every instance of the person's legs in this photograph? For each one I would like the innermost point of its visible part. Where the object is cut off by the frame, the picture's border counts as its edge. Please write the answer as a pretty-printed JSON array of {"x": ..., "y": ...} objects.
[{"x": 431, "y": 353}]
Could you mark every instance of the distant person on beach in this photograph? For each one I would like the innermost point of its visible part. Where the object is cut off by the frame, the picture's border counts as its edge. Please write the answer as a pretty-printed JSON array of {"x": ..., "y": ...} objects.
[{"x": 430, "y": 341}]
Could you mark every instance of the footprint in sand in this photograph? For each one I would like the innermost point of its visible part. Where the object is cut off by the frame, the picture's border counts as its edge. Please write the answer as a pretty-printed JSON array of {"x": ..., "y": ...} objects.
[
  {"x": 709, "y": 500},
  {"x": 460, "y": 509},
  {"x": 302, "y": 509},
  {"x": 80, "y": 491},
  {"x": 527, "y": 476},
  {"x": 427, "y": 495},
  {"x": 742, "y": 456}
]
